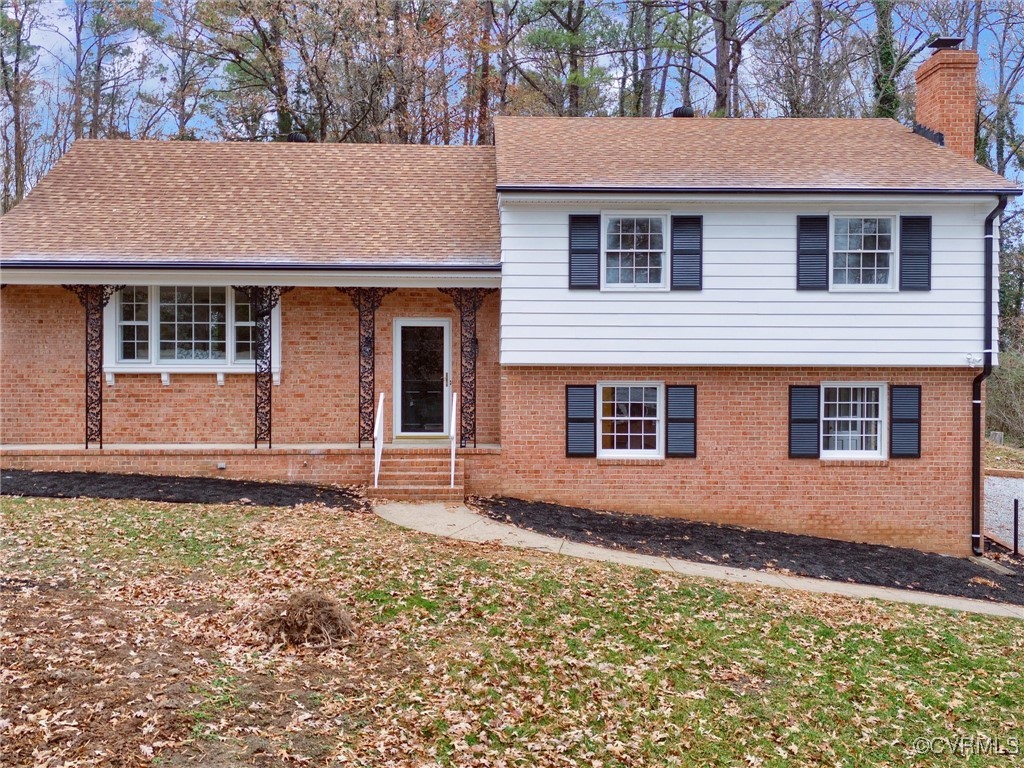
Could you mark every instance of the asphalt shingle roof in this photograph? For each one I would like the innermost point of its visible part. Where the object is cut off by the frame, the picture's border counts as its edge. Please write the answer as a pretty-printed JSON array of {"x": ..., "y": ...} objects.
[
  {"x": 335, "y": 205},
  {"x": 729, "y": 154},
  {"x": 254, "y": 203}
]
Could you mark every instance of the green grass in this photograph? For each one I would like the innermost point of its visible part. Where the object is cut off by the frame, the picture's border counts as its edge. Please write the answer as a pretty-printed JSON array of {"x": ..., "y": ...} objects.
[
  {"x": 468, "y": 656},
  {"x": 149, "y": 536},
  {"x": 219, "y": 696}
]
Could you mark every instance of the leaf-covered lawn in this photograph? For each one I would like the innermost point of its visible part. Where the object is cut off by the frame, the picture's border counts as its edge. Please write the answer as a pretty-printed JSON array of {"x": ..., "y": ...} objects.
[
  {"x": 131, "y": 637},
  {"x": 1003, "y": 456}
]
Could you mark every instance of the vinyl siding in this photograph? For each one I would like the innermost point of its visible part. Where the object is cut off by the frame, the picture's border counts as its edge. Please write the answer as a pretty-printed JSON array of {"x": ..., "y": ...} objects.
[{"x": 749, "y": 311}]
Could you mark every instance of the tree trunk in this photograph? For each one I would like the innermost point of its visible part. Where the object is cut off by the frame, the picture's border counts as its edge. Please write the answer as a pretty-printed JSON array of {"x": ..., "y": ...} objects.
[
  {"x": 78, "y": 74},
  {"x": 401, "y": 92},
  {"x": 887, "y": 102},
  {"x": 976, "y": 25},
  {"x": 722, "y": 58},
  {"x": 576, "y": 10},
  {"x": 816, "y": 76},
  {"x": 285, "y": 119},
  {"x": 647, "y": 75},
  {"x": 483, "y": 132}
]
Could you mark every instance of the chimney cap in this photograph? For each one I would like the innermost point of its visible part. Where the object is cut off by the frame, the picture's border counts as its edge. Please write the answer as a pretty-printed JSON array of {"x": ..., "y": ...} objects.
[
  {"x": 942, "y": 43},
  {"x": 682, "y": 112}
]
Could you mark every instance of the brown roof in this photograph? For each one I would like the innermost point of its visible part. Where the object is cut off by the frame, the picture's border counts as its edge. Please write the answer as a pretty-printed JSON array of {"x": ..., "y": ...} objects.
[
  {"x": 269, "y": 204},
  {"x": 729, "y": 154}
]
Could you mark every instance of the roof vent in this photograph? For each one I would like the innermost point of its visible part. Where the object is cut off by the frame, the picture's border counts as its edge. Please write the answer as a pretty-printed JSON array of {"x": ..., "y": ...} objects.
[
  {"x": 298, "y": 137},
  {"x": 682, "y": 112},
  {"x": 942, "y": 43}
]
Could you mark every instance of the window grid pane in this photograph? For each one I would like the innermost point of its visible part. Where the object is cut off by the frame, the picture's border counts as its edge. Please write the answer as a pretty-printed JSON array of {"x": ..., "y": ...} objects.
[
  {"x": 193, "y": 323},
  {"x": 862, "y": 251},
  {"x": 245, "y": 328},
  {"x": 634, "y": 250},
  {"x": 133, "y": 323},
  {"x": 629, "y": 418},
  {"x": 851, "y": 419}
]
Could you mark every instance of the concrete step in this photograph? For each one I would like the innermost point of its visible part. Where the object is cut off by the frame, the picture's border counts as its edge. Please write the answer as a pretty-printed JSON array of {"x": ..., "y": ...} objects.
[
  {"x": 426, "y": 466},
  {"x": 401, "y": 476},
  {"x": 419, "y": 474},
  {"x": 418, "y": 492}
]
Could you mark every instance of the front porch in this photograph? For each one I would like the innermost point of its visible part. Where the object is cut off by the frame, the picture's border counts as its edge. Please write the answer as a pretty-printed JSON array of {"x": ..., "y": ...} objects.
[
  {"x": 335, "y": 464},
  {"x": 304, "y": 409}
]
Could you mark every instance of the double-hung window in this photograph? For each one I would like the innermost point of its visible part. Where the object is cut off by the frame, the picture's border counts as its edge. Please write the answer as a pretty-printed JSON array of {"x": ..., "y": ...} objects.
[
  {"x": 863, "y": 256},
  {"x": 133, "y": 324},
  {"x": 630, "y": 419},
  {"x": 634, "y": 251},
  {"x": 853, "y": 420},
  {"x": 193, "y": 327}
]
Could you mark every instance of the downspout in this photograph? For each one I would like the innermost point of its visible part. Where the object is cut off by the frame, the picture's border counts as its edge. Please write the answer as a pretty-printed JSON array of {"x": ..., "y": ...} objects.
[{"x": 977, "y": 545}]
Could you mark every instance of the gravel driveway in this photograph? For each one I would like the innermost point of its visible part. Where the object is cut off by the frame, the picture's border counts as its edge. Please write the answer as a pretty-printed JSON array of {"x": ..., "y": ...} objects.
[{"x": 999, "y": 495}]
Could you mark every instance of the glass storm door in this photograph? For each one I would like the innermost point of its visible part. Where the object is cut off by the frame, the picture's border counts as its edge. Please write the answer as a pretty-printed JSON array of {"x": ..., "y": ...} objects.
[{"x": 422, "y": 376}]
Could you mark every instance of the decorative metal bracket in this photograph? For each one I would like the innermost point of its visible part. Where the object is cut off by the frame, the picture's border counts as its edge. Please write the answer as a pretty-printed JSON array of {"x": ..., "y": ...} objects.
[
  {"x": 94, "y": 298},
  {"x": 468, "y": 302},
  {"x": 366, "y": 301},
  {"x": 263, "y": 299}
]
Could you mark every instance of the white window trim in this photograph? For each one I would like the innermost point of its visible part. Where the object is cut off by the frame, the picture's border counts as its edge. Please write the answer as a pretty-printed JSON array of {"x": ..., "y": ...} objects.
[
  {"x": 111, "y": 346},
  {"x": 666, "y": 257},
  {"x": 883, "y": 427},
  {"x": 613, "y": 453},
  {"x": 894, "y": 265}
]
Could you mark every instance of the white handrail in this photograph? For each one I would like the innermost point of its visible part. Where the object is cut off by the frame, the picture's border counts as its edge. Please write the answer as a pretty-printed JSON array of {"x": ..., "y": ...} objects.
[
  {"x": 454, "y": 437},
  {"x": 378, "y": 439}
]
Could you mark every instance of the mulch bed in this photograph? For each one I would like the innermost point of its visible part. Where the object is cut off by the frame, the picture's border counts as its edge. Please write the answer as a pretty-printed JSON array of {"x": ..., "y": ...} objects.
[
  {"x": 183, "y": 490},
  {"x": 764, "y": 550}
]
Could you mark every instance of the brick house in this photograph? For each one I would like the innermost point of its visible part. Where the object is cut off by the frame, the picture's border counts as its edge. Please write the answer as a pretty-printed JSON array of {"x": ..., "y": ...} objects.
[{"x": 777, "y": 323}]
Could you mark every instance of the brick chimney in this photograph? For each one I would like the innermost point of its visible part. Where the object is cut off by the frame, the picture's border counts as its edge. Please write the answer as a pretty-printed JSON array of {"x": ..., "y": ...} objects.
[{"x": 947, "y": 97}]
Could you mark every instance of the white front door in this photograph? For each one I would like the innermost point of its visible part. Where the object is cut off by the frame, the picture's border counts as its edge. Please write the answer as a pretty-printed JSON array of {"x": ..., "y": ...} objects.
[{"x": 423, "y": 380}]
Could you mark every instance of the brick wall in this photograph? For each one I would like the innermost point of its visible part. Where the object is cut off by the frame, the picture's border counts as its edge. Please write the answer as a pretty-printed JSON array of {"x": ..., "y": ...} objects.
[
  {"x": 742, "y": 473},
  {"x": 947, "y": 97},
  {"x": 42, "y": 379},
  {"x": 42, "y": 365}
]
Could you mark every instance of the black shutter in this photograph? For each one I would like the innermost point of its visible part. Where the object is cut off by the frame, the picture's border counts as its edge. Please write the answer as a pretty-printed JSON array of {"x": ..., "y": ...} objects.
[
  {"x": 687, "y": 252},
  {"x": 804, "y": 430},
  {"x": 585, "y": 252},
  {"x": 680, "y": 422},
  {"x": 812, "y": 253},
  {"x": 581, "y": 421},
  {"x": 915, "y": 253},
  {"x": 905, "y": 422}
]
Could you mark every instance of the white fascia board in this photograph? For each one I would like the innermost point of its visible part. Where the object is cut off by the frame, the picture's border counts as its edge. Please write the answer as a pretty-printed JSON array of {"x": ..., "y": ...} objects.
[
  {"x": 710, "y": 199},
  {"x": 217, "y": 277}
]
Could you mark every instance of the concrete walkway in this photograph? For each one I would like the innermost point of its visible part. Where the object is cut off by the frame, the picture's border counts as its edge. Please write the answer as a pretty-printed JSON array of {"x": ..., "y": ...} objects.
[{"x": 456, "y": 521}]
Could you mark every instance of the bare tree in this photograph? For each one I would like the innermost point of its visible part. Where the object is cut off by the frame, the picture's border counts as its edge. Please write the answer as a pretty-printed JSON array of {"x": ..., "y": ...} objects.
[
  {"x": 804, "y": 56},
  {"x": 18, "y": 62},
  {"x": 187, "y": 69},
  {"x": 735, "y": 23}
]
